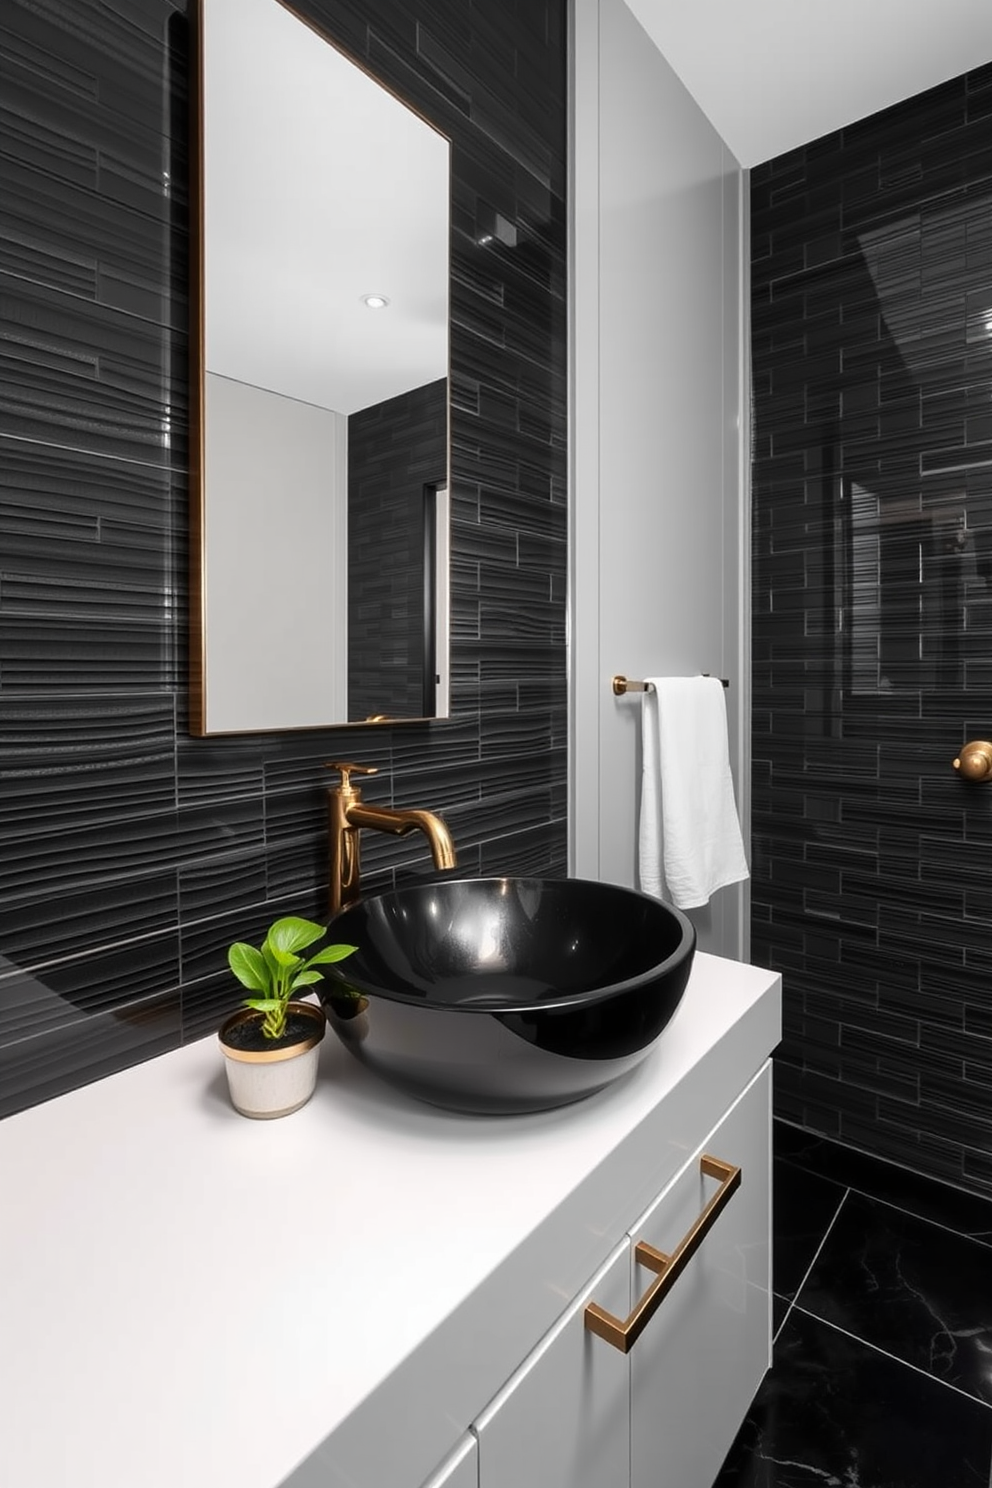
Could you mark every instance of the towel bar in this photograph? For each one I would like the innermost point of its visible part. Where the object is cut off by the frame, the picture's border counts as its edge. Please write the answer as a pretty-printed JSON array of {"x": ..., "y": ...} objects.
[{"x": 623, "y": 684}]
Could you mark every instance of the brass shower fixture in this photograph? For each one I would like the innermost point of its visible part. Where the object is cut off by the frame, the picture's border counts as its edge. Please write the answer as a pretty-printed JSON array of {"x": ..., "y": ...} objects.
[{"x": 975, "y": 760}]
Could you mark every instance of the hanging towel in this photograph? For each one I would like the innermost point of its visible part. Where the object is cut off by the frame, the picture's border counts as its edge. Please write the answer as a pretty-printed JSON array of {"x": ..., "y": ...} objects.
[{"x": 690, "y": 838}]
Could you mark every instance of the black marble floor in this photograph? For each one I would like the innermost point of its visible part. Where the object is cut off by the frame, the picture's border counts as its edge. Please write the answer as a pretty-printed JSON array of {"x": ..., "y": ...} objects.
[{"x": 882, "y": 1365}]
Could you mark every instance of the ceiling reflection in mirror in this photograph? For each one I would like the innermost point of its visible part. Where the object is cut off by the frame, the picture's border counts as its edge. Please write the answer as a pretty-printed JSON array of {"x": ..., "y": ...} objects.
[{"x": 320, "y": 442}]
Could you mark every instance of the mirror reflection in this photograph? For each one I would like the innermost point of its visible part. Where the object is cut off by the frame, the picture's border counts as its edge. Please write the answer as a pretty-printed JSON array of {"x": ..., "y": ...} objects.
[{"x": 319, "y": 491}]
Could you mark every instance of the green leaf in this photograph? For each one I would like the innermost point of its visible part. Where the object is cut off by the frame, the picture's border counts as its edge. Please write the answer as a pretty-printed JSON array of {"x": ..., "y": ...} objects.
[
  {"x": 249, "y": 967},
  {"x": 331, "y": 953},
  {"x": 305, "y": 979},
  {"x": 276, "y": 970},
  {"x": 280, "y": 957},
  {"x": 293, "y": 934}
]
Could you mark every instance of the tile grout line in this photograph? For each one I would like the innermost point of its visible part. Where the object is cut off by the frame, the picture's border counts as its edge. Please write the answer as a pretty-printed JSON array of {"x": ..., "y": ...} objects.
[
  {"x": 924, "y": 1218},
  {"x": 901, "y": 1169},
  {"x": 984, "y": 1237},
  {"x": 884, "y": 1353},
  {"x": 795, "y": 1295}
]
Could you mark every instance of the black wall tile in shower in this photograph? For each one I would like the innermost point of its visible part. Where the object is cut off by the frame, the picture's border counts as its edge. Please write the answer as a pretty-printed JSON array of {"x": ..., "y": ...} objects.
[
  {"x": 132, "y": 854},
  {"x": 872, "y": 379}
]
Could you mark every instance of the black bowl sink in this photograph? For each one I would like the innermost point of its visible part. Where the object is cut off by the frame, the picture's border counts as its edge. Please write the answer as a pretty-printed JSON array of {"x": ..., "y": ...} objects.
[{"x": 506, "y": 994}]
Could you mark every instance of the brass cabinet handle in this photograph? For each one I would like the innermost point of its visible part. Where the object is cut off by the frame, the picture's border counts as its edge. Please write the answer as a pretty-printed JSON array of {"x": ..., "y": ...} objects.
[
  {"x": 975, "y": 760},
  {"x": 623, "y": 1333}
]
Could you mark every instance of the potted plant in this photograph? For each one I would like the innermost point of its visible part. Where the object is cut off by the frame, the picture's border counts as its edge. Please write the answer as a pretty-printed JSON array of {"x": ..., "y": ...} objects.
[{"x": 271, "y": 1044}]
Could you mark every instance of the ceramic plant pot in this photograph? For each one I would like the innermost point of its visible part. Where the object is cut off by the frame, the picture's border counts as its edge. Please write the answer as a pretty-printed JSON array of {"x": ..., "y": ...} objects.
[{"x": 269, "y": 1078}]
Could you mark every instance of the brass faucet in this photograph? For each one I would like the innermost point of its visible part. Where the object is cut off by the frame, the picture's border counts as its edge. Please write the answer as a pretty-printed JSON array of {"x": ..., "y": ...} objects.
[{"x": 347, "y": 814}]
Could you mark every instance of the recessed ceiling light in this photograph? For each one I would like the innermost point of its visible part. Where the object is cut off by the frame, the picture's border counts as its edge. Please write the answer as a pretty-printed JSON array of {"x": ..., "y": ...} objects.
[{"x": 375, "y": 302}]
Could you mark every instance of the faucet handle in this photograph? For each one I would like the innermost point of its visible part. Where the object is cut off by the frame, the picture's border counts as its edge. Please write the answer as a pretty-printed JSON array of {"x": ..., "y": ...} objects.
[{"x": 347, "y": 767}]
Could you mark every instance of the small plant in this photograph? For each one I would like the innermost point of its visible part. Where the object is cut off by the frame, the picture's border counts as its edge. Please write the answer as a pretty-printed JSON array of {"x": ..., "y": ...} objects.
[{"x": 276, "y": 971}]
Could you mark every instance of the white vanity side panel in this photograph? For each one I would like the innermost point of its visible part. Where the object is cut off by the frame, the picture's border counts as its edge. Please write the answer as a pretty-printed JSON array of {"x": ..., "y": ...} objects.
[
  {"x": 268, "y": 664},
  {"x": 656, "y": 386},
  {"x": 562, "y": 1421}
]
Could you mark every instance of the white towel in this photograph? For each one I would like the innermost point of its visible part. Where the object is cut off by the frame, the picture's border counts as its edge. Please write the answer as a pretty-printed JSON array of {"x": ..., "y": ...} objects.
[{"x": 690, "y": 838}]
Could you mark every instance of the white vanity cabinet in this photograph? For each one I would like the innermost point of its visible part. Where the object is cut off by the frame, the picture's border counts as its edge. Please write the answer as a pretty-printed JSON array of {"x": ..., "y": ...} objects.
[
  {"x": 583, "y": 1413},
  {"x": 430, "y": 1275},
  {"x": 561, "y": 1421}
]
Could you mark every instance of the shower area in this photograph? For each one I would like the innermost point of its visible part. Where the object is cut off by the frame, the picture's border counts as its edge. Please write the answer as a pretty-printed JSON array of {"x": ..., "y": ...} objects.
[{"x": 871, "y": 274}]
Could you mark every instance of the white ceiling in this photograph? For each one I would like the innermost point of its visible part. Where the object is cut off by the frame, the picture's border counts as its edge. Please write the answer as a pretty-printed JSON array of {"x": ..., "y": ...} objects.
[
  {"x": 773, "y": 74},
  {"x": 320, "y": 187}
]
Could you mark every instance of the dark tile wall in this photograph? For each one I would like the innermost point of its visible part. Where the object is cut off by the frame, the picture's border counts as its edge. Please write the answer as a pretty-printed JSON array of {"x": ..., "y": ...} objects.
[
  {"x": 131, "y": 854},
  {"x": 397, "y": 451},
  {"x": 872, "y": 859}
]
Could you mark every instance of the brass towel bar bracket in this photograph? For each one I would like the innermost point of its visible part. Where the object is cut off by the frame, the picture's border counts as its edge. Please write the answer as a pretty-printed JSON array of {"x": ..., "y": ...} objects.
[{"x": 623, "y": 684}]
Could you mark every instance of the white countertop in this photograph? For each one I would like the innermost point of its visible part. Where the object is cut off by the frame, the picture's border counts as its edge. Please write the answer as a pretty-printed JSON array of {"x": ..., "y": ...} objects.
[{"x": 192, "y": 1298}]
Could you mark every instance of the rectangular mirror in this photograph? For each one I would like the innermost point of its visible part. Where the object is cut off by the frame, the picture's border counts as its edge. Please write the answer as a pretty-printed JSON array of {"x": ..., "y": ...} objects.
[{"x": 319, "y": 465}]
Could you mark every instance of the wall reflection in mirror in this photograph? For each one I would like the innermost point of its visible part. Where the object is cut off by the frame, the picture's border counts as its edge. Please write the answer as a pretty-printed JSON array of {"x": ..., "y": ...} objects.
[
  {"x": 917, "y": 586},
  {"x": 900, "y": 487},
  {"x": 319, "y": 502}
]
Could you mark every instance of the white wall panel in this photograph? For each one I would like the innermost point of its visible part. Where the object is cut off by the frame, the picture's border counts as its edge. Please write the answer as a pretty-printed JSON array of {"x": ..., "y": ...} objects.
[
  {"x": 657, "y": 472},
  {"x": 263, "y": 571}
]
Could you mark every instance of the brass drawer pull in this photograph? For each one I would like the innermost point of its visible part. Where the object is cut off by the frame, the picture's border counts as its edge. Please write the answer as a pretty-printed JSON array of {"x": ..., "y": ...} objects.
[{"x": 623, "y": 1333}]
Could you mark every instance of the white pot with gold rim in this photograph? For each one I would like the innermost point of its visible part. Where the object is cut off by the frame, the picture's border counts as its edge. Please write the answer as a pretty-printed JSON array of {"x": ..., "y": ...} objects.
[{"x": 272, "y": 1077}]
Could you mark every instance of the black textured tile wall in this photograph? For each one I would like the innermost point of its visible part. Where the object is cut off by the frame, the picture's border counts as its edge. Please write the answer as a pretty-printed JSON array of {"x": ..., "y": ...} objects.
[
  {"x": 397, "y": 454},
  {"x": 130, "y": 853},
  {"x": 872, "y": 860}
]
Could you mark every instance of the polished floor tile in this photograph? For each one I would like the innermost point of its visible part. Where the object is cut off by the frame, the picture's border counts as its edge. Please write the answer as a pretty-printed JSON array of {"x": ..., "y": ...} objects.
[
  {"x": 834, "y": 1411},
  {"x": 882, "y": 1362},
  {"x": 915, "y": 1289}
]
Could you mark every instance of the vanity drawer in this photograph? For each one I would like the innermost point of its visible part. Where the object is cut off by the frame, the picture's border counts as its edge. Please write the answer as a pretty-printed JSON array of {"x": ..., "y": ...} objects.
[
  {"x": 659, "y": 1407},
  {"x": 561, "y": 1420},
  {"x": 460, "y": 1469},
  {"x": 699, "y": 1361}
]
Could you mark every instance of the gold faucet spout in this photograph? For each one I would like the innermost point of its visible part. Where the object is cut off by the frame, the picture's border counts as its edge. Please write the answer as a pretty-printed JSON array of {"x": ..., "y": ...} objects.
[
  {"x": 386, "y": 819},
  {"x": 347, "y": 814}
]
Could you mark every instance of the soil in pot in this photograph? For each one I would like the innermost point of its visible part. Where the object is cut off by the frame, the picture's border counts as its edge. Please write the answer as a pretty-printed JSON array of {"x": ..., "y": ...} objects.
[{"x": 248, "y": 1036}]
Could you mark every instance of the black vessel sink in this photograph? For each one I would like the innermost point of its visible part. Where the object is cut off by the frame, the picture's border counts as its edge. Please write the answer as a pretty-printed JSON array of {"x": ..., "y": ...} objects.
[{"x": 506, "y": 994}]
